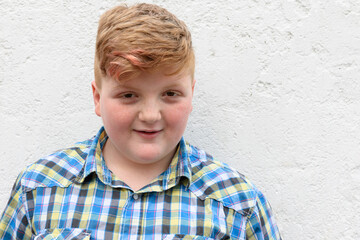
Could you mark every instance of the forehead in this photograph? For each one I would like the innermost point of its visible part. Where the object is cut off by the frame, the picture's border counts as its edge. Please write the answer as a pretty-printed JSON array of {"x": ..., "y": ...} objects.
[{"x": 153, "y": 79}]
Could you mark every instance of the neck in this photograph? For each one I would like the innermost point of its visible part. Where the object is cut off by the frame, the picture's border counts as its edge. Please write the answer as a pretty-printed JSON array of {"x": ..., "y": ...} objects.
[{"x": 135, "y": 175}]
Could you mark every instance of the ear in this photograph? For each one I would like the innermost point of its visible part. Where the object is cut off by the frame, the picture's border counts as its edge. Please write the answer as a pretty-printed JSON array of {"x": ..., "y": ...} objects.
[
  {"x": 193, "y": 86},
  {"x": 192, "y": 89},
  {"x": 96, "y": 96}
]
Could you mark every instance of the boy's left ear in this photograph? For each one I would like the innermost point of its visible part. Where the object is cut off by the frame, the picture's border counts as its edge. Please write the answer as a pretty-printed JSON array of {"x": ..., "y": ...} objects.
[
  {"x": 193, "y": 86},
  {"x": 192, "y": 89},
  {"x": 96, "y": 97}
]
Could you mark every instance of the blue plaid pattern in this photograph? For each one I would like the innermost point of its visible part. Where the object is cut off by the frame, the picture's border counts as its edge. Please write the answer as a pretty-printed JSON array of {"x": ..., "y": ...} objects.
[{"x": 71, "y": 194}]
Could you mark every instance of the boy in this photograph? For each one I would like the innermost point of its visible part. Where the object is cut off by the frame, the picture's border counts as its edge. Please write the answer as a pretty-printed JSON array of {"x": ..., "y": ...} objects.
[{"x": 137, "y": 178}]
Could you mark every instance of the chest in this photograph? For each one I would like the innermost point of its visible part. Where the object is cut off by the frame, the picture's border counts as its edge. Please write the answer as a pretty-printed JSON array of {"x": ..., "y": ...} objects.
[{"x": 101, "y": 212}]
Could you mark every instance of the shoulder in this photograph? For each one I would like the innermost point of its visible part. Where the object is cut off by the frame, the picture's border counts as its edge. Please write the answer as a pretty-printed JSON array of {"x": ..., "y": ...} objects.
[
  {"x": 216, "y": 180},
  {"x": 58, "y": 169}
]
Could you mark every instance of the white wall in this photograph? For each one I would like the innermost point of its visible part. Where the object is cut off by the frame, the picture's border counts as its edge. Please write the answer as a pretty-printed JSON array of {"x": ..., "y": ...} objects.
[{"x": 277, "y": 96}]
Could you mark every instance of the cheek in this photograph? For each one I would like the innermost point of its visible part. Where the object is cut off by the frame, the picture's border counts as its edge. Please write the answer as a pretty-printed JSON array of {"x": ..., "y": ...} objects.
[
  {"x": 178, "y": 115},
  {"x": 114, "y": 115}
]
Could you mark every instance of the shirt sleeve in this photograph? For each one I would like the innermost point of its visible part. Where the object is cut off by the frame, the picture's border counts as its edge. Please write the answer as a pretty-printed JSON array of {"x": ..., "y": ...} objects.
[
  {"x": 261, "y": 223},
  {"x": 14, "y": 223}
]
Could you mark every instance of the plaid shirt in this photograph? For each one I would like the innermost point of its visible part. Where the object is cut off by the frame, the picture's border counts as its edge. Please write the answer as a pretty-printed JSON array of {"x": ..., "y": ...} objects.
[{"x": 71, "y": 194}]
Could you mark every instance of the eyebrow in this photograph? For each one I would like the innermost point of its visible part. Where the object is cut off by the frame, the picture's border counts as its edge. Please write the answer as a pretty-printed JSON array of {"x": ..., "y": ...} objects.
[
  {"x": 172, "y": 85},
  {"x": 119, "y": 85}
]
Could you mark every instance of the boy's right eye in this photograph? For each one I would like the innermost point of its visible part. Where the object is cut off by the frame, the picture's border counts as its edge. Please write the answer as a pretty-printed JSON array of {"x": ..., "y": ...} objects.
[{"x": 128, "y": 95}]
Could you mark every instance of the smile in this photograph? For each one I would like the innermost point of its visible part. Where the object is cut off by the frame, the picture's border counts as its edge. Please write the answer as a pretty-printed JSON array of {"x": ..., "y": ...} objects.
[{"x": 148, "y": 134}]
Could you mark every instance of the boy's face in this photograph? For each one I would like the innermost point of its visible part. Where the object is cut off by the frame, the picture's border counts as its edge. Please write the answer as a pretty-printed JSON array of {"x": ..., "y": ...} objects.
[{"x": 145, "y": 117}]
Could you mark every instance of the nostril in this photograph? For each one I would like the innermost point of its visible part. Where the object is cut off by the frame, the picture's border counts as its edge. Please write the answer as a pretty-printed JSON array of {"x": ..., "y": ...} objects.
[{"x": 149, "y": 115}]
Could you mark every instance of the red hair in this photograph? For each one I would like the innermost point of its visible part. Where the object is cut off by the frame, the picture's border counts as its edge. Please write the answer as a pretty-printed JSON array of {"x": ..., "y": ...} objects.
[{"x": 144, "y": 37}]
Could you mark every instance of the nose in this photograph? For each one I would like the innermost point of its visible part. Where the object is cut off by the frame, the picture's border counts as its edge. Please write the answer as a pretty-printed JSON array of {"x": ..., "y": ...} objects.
[{"x": 150, "y": 112}]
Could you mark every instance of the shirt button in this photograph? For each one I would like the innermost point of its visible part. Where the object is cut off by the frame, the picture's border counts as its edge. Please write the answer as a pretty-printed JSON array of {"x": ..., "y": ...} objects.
[{"x": 135, "y": 196}]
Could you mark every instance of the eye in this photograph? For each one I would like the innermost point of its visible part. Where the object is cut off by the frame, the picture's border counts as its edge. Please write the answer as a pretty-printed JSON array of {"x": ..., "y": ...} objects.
[
  {"x": 171, "y": 94},
  {"x": 128, "y": 95}
]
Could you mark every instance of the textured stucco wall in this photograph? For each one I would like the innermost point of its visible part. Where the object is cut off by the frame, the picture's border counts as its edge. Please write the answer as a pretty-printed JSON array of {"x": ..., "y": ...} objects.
[{"x": 277, "y": 96}]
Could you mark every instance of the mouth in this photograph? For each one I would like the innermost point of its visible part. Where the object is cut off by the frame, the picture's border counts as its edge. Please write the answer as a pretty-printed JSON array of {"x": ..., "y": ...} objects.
[
  {"x": 148, "y": 134},
  {"x": 147, "y": 131}
]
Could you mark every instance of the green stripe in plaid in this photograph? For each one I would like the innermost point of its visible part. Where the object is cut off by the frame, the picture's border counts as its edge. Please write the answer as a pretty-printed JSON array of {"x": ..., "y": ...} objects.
[{"x": 73, "y": 193}]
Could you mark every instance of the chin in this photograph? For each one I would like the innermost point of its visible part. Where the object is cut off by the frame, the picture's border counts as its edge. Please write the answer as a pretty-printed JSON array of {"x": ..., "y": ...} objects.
[{"x": 149, "y": 157}]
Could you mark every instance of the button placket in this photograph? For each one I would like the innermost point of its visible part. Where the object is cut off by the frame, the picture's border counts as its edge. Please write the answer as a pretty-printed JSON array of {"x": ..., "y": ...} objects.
[{"x": 136, "y": 196}]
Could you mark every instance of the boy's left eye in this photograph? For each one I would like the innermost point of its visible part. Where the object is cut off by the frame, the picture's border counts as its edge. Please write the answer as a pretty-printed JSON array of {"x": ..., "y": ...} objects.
[{"x": 170, "y": 94}]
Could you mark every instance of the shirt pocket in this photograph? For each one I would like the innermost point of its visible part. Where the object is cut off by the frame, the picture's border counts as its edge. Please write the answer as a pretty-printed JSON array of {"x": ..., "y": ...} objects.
[
  {"x": 63, "y": 234},
  {"x": 185, "y": 237}
]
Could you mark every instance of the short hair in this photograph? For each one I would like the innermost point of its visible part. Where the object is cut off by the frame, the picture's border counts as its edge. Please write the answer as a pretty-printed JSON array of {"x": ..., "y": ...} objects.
[{"x": 143, "y": 37}]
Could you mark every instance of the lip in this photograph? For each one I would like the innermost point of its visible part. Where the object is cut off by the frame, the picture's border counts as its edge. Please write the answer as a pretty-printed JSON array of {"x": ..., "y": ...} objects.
[{"x": 148, "y": 134}]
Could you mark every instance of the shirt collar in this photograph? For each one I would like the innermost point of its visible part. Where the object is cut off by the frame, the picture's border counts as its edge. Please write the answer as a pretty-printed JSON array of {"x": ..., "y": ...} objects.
[
  {"x": 178, "y": 172},
  {"x": 94, "y": 161},
  {"x": 179, "y": 169}
]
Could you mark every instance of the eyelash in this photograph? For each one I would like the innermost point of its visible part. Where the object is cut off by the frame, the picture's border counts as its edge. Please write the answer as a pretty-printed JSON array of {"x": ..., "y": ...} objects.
[
  {"x": 130, "y": 97},
  {"x": 173, "y": 94},
  {"x": 126, "y": 95}
]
